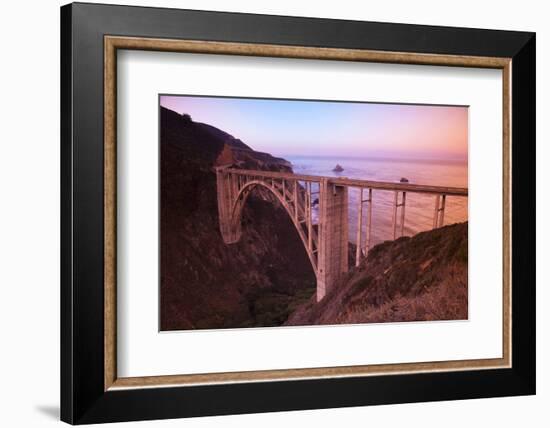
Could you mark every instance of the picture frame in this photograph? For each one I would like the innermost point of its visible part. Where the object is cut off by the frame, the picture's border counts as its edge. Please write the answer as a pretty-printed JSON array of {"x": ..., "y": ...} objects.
[{"x": 91, "y": 35}]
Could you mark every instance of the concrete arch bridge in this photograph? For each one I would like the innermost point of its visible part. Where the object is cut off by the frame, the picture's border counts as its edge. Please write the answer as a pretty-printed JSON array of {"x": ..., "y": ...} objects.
[{"x": 326, "y": 242}]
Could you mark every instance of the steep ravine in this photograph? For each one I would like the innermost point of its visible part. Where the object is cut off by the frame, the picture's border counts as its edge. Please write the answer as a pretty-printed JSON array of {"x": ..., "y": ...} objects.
[{"x": 204, "y": 282}]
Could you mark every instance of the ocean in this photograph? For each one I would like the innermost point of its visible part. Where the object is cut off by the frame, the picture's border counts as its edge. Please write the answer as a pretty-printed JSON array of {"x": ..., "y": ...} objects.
[{"x": 419, "y": 208}]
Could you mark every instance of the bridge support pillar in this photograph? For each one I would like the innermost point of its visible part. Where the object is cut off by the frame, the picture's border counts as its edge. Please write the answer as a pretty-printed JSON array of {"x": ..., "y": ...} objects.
[
  {"x": 333, "y": 236},
  {"x": 230, "y": 228}
]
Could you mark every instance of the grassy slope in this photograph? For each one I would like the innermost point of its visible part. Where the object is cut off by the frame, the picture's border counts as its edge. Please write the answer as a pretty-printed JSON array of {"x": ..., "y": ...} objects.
[{"x": 411, "y": 279}]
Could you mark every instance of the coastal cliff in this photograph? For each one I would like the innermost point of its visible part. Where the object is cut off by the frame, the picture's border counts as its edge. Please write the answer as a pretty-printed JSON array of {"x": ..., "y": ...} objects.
[{"x": 204, "y": 282}]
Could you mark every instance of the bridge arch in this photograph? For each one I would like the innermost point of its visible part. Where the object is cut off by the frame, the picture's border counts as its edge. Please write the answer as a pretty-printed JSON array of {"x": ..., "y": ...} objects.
[
  {"x": 326, "y": 243},
  {"x": 240, "y": 202}
]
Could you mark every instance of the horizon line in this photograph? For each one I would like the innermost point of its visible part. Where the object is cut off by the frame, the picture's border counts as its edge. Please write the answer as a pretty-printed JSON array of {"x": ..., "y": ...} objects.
[{"x": 333, "y": 156}]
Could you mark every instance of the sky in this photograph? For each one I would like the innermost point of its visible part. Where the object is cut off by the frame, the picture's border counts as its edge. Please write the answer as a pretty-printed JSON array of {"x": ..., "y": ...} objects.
[{"x": 324, "y": 128}]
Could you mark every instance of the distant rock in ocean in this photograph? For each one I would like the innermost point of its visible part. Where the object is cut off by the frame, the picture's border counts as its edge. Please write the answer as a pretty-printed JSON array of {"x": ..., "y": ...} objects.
[
  {"x": 403, "y": 180},
  {"x": 338, "y": 168}
]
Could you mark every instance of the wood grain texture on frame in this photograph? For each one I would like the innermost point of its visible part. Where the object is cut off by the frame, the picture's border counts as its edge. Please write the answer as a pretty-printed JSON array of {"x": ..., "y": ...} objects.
[
  {"x": 110, "y": 225},
  {"x": 113, "y": 43}
]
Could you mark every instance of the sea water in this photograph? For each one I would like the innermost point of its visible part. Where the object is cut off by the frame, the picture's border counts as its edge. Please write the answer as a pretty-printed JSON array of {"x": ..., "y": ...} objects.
[{"x": 419, "y": 211}]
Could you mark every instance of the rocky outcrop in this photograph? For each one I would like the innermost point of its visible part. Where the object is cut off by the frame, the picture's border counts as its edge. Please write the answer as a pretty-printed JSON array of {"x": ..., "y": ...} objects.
[{"x": 250, "y": 159}]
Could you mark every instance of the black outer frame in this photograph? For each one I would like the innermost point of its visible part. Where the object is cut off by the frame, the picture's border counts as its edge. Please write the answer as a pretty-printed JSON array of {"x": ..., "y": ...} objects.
[{"x": 83, "y": 399}]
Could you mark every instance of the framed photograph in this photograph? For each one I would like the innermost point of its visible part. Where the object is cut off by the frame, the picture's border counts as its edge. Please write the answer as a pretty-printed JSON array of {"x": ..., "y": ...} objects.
[{"x": 265, "y": 213}]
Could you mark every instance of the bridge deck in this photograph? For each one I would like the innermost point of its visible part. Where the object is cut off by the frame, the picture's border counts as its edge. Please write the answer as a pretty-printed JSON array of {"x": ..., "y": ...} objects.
[{"x": 352, "y": 182}]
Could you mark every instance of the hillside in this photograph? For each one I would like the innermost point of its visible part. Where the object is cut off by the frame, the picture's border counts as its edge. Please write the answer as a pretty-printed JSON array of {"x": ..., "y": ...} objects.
[
  {"x": 411, "y": 279},
  {"x": 204, "y": 282}
]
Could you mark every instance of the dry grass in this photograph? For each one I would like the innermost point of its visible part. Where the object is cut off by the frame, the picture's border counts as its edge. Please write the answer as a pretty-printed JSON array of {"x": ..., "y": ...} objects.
[
  {"x": 447, "y": 301},
  {"x": 423, "y": 278}
]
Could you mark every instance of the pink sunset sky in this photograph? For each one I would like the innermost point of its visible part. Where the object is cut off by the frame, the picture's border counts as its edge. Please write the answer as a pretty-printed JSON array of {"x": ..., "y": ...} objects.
[{"x": 328, "y": 128}]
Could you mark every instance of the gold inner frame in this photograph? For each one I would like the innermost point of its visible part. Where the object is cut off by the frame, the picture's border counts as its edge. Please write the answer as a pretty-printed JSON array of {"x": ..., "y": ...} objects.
[{"x": 113, "y": 43}]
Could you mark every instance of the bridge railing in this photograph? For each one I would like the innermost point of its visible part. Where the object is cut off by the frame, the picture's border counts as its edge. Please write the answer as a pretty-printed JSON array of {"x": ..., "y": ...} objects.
[
  {"x": 353, "y": 182},
  {"x": 299, "y": 189}
]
